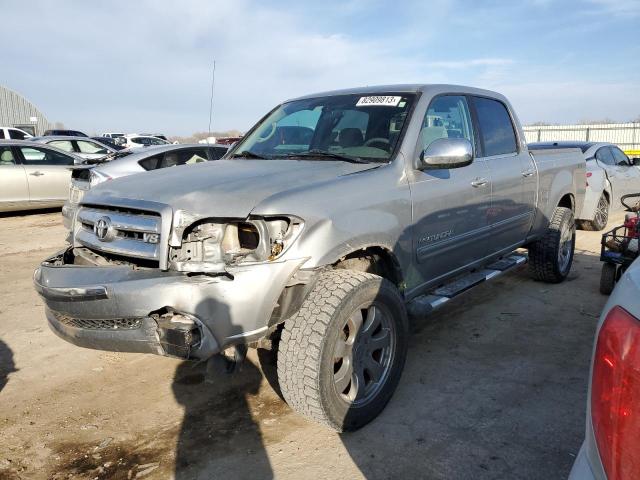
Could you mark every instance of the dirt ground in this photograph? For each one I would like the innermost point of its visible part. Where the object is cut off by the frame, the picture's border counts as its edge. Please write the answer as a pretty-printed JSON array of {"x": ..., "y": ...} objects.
[{"x": 494, "y": 387}]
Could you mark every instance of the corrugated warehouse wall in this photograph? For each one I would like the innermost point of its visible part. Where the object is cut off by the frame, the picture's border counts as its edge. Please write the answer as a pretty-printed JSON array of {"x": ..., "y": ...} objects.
[
  {"x": 625, "y": 135},
  {"x": 17, "y": 111}
]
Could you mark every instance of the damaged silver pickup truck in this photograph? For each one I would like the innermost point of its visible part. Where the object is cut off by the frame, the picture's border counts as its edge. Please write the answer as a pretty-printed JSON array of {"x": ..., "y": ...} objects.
[{"x": 332, "y": 219}]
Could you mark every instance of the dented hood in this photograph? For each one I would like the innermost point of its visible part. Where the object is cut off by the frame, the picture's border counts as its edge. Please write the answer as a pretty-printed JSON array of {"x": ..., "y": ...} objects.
[{"x": 223, "y": 188}]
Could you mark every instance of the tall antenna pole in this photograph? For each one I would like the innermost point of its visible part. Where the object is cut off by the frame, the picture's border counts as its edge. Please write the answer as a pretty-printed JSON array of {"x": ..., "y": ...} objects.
[{"x": 213, "y": 81}]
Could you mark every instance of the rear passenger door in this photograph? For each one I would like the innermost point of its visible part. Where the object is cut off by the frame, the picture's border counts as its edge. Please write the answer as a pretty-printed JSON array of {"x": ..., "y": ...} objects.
[
  {"x": 14, "y": 191},
  {"x": 513, "y": 174},
  {"x": 48, "y": 174}
]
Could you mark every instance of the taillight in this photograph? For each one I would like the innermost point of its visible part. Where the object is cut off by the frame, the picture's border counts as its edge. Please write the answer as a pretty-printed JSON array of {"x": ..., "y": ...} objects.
[{"x": 615, "y": 395}]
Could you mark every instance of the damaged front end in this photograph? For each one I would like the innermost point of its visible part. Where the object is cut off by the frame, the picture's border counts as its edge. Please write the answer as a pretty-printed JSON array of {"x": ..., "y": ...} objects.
[
  {"x": 221, "y": 287},
  {"x": 214, "y": 245}
]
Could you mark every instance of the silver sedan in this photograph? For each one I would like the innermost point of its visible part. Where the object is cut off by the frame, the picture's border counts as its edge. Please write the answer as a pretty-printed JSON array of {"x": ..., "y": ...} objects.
[
  {"x": 84, "y": 147},
  {"x": 610, "y": 175},
  {"x": 132, "y": 161},
  {"x": 33, "y": 176}
]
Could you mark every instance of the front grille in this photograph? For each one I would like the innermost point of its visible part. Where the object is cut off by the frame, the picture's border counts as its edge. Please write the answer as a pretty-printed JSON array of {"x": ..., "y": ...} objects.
[
  {"x": 111, "y": 324},
  {"x": 126, "y": 233}
]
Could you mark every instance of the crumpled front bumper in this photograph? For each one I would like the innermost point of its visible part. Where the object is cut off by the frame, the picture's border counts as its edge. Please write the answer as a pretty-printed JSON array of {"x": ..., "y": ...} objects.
[{"x": 119, "y": 307}]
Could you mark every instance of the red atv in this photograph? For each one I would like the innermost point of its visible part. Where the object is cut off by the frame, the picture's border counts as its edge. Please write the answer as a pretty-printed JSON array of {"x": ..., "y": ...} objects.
[{"x": 619, "y": 247}]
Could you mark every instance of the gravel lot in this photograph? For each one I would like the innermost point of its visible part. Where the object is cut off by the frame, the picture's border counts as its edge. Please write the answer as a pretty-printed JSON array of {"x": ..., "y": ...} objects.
[{"x": 494, "y": 387}]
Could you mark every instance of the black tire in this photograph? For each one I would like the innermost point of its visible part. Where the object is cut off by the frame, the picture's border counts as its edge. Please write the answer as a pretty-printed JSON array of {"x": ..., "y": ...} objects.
[
  {"x": 551, "y": 256},
  {"x": 308, "y": 362},
  {"x": 608, "y": 278},
  {"x": 601, "y": 217}
]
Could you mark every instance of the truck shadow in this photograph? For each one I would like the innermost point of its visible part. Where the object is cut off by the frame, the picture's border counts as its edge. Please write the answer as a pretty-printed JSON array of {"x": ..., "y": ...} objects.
[
  {"x": 218, "y": 434},
  {"x": 7, "y": 365},
  {"x": 494, "y": 385}
]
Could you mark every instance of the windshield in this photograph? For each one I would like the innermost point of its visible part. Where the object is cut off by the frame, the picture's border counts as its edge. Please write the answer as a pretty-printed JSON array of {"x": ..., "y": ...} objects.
[{"x": 362, "y": 127}]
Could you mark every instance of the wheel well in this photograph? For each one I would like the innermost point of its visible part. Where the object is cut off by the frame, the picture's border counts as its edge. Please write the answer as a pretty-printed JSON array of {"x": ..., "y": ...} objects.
[
  {"x": 567, "y": 202},
  {"x": 376, "y": 260}
]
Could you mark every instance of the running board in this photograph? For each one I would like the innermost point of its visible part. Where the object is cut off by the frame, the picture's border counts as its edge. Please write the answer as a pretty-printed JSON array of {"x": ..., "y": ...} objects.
[{"x": 425, "y": 304}]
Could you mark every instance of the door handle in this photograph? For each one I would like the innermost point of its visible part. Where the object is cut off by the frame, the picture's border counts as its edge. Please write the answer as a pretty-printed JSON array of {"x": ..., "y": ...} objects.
[
  {"x": 37, "y": 174},
  {"x": 528, "y": 173},
  {"x": 479, "y": 182}
]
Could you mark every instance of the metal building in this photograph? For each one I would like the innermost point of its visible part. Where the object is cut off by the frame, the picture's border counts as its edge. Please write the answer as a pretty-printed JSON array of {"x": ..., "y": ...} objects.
[{"x": 17, "y": 111}]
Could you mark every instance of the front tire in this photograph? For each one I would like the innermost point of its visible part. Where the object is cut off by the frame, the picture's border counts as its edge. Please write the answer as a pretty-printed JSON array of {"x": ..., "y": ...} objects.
[
  {"x": 341, "y": 355},
  {"x": 551, "y": 256}
]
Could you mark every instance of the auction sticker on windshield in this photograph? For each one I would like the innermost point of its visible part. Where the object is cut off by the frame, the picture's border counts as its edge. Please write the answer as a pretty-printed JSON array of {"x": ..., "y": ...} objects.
[{"x": 378, "y": 101}]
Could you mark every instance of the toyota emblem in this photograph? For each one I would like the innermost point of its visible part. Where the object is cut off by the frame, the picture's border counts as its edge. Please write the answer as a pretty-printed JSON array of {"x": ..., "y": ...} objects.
[{"x": 102, "y": 228}]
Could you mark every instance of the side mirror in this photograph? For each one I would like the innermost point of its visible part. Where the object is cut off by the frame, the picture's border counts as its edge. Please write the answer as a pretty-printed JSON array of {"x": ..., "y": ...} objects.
[
  {"x": 635, "y": 161},
  {"x": 447, "y": 153}
]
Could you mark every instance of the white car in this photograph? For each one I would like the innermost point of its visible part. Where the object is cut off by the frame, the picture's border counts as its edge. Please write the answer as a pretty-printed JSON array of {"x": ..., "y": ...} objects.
[
  {"x": 12, "y": 133},
  {"x": 138, "y": 141},
  {"x": 610, "y": 175},
  {"x": 112, "y": 135}
]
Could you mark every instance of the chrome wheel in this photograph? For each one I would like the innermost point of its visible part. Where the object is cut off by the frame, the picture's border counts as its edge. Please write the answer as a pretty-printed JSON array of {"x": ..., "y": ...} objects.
[
  {"x": 566, "y": 246},
  {"x": 602, "y": 213},
  {"x": 363, "y": 354}
]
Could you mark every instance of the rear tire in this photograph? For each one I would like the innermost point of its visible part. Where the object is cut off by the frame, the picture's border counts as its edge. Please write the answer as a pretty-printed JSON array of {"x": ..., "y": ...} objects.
[
  {"x": 608, "y": 278},
  {"x": 551, "y": 256},
  {"x": 341, "y": 355},
  {"x": 601, "y": 216}
]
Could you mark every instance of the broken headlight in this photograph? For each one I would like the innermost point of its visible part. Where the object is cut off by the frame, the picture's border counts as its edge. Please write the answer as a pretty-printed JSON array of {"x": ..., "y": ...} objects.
[{"x": 209, "y": 245}]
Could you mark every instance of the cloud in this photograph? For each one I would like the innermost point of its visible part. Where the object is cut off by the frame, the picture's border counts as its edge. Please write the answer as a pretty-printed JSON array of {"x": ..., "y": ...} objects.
[
  {"x": 146, "y": 65},
  {"x": 619, "y": 8}
]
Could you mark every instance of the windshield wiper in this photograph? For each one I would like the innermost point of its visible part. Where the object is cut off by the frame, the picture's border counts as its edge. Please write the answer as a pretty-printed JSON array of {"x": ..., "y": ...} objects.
[
  {"x": 328, "y": 155},
  {"x": 248, "y": 154}
]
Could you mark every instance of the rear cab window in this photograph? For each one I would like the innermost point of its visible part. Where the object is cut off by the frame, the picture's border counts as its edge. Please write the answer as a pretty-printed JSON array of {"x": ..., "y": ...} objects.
[{"x": 497, "y": 134}]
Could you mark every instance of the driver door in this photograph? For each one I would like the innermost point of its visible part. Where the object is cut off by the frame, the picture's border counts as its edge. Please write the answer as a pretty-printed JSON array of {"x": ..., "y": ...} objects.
[{"x": 450, "y": 206}]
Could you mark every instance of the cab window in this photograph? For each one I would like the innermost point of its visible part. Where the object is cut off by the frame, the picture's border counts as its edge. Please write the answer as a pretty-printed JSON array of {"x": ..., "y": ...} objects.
[
  {"x": 497, "y": 135},
  {"x": 447, "y": 117}
]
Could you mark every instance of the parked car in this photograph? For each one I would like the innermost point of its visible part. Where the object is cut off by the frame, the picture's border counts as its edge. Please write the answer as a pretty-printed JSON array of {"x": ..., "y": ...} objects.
[
  {"x": 610, "y": 447},
  {"x": 33, "y": 176},
  {"x": 130, "y": 162},
  {"x": 64, "y": 133},
  {"x": 610, "y": 175},
  {"x": 112, "y": 135},
  {"x": 84, "y": 147},
  {"x": 334, "y": 216},
  {"x": 157, "y": 135},
  {"x": 13, "y": 134},
  {"x": 111, "y": 142},
  {"x": 139, "y": 141}
]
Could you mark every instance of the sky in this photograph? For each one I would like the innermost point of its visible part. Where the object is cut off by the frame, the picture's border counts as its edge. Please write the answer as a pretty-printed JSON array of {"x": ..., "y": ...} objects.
[{"x": 147, "y": 65}]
